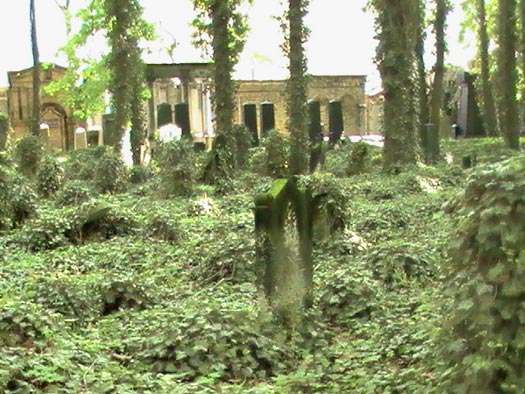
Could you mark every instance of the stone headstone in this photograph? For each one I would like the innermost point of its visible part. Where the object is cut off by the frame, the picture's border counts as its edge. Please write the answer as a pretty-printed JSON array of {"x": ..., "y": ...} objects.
[
  {"x": 182, "y": 119},
  {"x": 80, "y": 141},
  {"x": 335, "y": 118},
  {"x": 169, "y": 132},
  {"x": 164, "y": 114},
  {"x": 267, "y": 117},
  {"x": 250, "y": 121},
  {"x": 314, "y": 120}
]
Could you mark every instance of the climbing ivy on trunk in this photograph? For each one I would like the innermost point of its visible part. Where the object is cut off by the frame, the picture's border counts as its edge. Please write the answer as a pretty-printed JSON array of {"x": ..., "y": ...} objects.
[
  {"x": 221, "y": 26},
  {"x": 297, "y": 84},
  {"x": 507, "y": 73},
  {"x": 489, "y": 106},
  {"x": 127, "y": 79},
  {"x": 436, "y": 99},
  {"x": 396, "y": 25}
]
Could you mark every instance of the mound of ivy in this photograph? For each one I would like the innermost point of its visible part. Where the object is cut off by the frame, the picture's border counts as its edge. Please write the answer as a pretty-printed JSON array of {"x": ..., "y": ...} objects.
[{"x": 485, "y": 335}]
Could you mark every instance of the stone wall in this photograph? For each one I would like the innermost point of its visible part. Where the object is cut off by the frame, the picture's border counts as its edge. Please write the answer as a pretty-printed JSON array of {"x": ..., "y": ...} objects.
[{"x": 350, "y": 90}]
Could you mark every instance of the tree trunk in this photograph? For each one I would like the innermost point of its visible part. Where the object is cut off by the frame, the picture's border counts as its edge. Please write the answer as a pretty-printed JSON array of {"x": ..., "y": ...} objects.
[
  {"x": 506, "y": 68},
  {"x": 436, "y": 100},
  {"x": 296, "y": 88},
  {"x": 424, "y": 116},
  {"x": 397, "y": 23},
  {"x": 489, "y": 105},
  {"x": 522, "y": 54},
  {"x": 223, "y": 67},
  {"x": 35, "y": 114}
]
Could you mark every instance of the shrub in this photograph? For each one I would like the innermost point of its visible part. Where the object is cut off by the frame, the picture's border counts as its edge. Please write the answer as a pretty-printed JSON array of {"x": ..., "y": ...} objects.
[
  {"x": 240, "y": 140},
  {"x": 359, "y": 158},
  {"x": 24, "y": 324},
  {"x": 50, "y": 230},
  {"x": 256, "y": 161},
  {"x": 164, "y": 226},
  {"x": 176, "y": 167},
  {"x": 139, "y": 174},
  {"x": 110, "y": 173},
  {"x": 347, "y": 293},
  {"x": 49, "y": 177},
  {"x": 75, "y": 193},
  {"x": 29, "y": 150},
  {"x": 206, "y": 338},
  {"x": 483, "y": 340},
  {"x": 81, "y": 164},
  {"x": 18, "y": 200},
  {"x": 277, "y": 150}
]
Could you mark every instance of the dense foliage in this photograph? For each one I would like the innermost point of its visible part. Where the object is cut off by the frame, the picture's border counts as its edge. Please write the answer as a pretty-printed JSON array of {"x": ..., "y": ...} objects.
[{"x": 144, "y": 292}]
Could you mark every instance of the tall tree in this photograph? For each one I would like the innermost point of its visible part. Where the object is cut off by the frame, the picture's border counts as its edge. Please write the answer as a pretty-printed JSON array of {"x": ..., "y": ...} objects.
[
  {"x": 507, "y": 73},
  {"x": 489, "y": 106},
  {"x": 423, "y": 113},
  {"x": 35, "y": 113},
  {"x": 125, "y": 27},
  {"x": 296, "y": 86},
  {"x": 396, "y": 23},
  {"x": 436, "y": 98},
  {"x": 221, "y": 25},
  {"x": 521, "y": 11}
]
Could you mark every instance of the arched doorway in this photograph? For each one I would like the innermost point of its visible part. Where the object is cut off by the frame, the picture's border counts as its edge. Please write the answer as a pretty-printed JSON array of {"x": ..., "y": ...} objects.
[{"x": 54, "y": 115}]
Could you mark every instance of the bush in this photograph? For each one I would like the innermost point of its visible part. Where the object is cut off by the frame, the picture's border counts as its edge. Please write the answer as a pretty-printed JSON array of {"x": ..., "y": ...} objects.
[
  {"x": 483, "y": 340},
  {"x": 163, "y": 226},
  {"x": 50, "y": 230},
  {"x": 75, "y": 193},
  {"x": 240, "y": 140},
  {"x": 176, "y": 167},
  {"x": 18, "y": 201},
  {"x": 347, "y": 293},
  {"x": 81, "y": 164},
  {"x": 203, "y": 338},
  {"x": 277, "y": 150},
  {"x": 139, "y": 174},
  {"x": 49, "y": 177},
  {"x": 110, "y": 173},
  {"x": 29, "y": 150}
]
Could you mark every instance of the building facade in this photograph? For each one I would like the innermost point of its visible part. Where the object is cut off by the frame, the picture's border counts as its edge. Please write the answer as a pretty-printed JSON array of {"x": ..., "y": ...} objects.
[
  {"x": 55, "y": 116},
  {"x": 181, "y": 94}
]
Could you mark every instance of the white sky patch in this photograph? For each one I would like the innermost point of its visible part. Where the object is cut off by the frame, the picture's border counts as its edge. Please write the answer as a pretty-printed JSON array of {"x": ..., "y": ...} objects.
[{"x": 341, "y": 41}]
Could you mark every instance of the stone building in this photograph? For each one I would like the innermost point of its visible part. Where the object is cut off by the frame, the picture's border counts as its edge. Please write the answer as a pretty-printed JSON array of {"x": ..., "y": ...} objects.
[
  {"x": 329, "y": 91},
  {"x": 54, "y": 113}
]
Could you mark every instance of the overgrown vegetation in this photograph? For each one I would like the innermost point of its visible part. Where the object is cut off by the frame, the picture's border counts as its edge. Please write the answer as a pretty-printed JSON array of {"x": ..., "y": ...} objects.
[{"x": 128, "y": 290}]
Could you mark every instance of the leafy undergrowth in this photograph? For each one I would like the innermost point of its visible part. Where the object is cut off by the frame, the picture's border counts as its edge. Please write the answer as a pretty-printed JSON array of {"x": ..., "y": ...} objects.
[{"x": 134, "y": 293}]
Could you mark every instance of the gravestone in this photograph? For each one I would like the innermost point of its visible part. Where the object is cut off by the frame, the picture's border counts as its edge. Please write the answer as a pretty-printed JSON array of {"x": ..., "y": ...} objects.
[
  {"x": 164, "y": 114},
  {"x": 335, "y": 118},
  {"x": 469, "y": 118},
  {"x": 250, "y": 121},
  {"x": 273, "y": 209},
  {"x": 182, "y": 119},
  {"x": 80, "y": 141},
  {"x": 44, "y": 134},
  {"x": 267, "y": 117},
  {"x": 108, "y": 129},
  {"x": 94, "y": 138}
]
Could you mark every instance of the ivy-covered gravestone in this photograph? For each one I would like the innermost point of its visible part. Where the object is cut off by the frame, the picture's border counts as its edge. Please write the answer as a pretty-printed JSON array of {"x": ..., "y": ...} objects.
[{"x": 284, "y": 215}]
